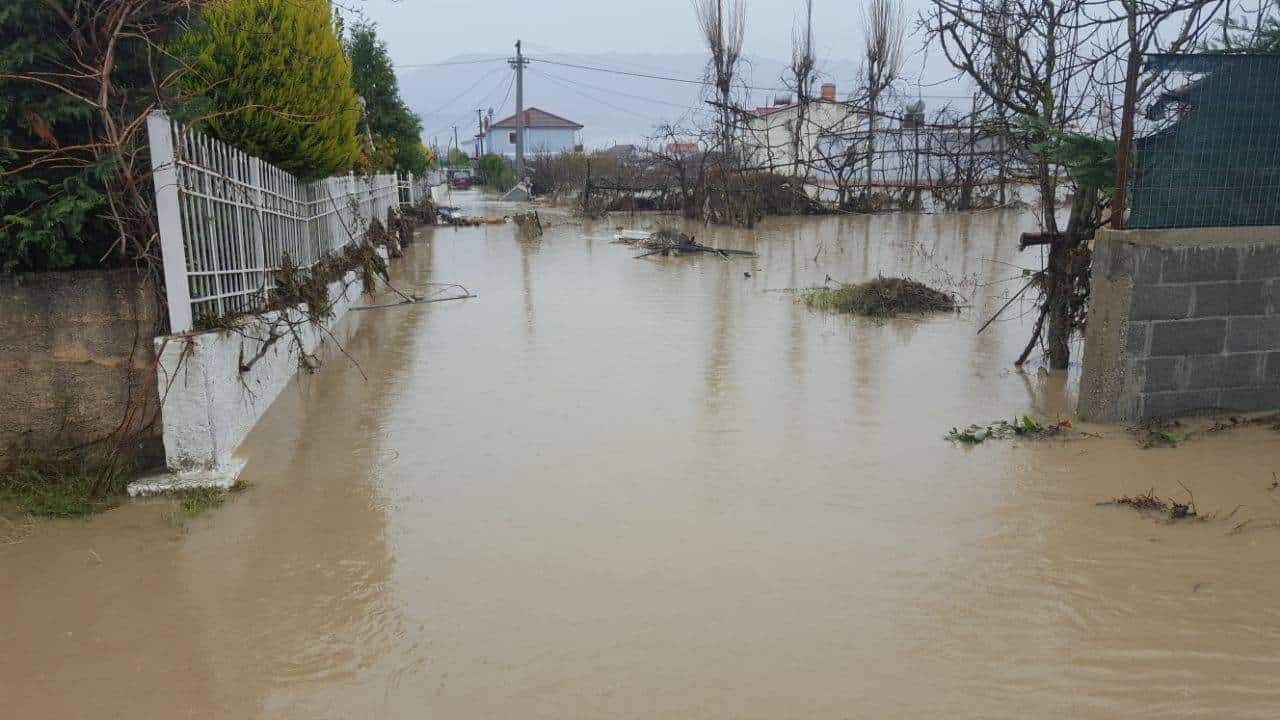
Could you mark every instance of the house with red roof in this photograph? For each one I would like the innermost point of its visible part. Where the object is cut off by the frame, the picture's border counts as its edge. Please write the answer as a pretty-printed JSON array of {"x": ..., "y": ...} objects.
[{"x": 544, "y": 134}]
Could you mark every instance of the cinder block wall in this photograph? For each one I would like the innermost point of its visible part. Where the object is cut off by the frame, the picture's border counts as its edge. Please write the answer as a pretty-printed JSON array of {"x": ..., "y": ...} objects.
[
  {"x": 75, "y": 351},
  {"x": 1182, "y": 321}
]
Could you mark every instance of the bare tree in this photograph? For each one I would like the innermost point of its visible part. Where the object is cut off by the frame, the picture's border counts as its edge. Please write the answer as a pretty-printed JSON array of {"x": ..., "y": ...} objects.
[
  {"x": 884, "y": 30},
  {"x": 679, "y": 164},
  {"x": 1051, "y": 66},
  {"x": 802, "y": 69},
  {"x": 723, "y": 26}
]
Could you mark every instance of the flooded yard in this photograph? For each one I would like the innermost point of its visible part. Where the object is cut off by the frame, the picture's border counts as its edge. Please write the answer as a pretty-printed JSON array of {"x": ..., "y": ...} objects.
[{"x": 665, "y": 488}]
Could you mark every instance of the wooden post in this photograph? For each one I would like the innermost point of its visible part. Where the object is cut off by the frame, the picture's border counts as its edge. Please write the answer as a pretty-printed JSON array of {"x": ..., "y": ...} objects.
[{"x": 164, "y": 175}]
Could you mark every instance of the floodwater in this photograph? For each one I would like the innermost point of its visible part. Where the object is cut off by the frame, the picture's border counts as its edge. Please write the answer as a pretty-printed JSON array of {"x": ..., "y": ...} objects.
[{"x": 660, "y": 488}]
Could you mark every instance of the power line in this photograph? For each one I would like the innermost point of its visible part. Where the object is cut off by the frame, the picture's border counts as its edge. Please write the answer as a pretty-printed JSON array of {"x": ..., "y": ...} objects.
[
  {"x": 460, "y": 95},
  {"x": 611, "y": 90},
  {"x": 598, "y": 100},
  {"x": 406, "y": 66}
]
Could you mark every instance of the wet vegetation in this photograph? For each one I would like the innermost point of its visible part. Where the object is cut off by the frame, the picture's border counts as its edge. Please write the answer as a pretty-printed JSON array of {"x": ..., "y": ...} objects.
[
  {"x": 197, "y": 501},
  {"x": 1003, "y": 430},
  {"x": 881, "y": 297},
  {"x": 64, "y": 484}
]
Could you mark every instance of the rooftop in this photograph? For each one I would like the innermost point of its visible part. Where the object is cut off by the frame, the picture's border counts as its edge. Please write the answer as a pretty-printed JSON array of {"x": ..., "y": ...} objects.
[{"x": 536, "y": 118}]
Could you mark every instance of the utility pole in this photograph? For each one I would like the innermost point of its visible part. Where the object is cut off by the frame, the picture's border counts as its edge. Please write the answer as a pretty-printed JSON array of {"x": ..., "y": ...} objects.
[
  {"x": 479, "y": 133},
  {"x": 518, "y": 63},
  {"x": 456, "y": 146}
]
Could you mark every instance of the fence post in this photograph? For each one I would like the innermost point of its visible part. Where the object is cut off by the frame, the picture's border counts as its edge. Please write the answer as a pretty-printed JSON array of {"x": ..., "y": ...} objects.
[
  {"x": 258, "y": 200},
  {"x": 411, "y": 198},
  {"x": 164, "y": 175}
]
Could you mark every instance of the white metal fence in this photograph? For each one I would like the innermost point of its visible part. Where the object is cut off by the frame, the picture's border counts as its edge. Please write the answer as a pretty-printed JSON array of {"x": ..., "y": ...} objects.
[
  {"x": 227, "y": 219},
  {"x": 413, "y": 189}
]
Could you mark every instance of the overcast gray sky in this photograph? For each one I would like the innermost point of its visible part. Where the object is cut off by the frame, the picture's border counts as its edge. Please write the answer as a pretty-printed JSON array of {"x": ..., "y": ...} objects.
[{"x": 424, "y": 31}]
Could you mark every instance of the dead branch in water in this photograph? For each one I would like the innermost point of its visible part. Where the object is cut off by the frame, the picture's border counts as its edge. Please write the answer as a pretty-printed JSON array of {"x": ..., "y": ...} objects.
[{"x": 670, "y": 242}]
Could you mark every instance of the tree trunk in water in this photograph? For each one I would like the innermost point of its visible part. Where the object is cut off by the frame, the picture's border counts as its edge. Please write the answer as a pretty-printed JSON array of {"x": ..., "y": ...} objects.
[
  {"x": 1058, "y": 300},
  {"x": 1060, "y": 280}
]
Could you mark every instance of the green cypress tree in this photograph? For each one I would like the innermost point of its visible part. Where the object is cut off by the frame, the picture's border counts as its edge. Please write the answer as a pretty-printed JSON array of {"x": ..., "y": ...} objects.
[
  {"x": 387, "y": 116},
  {"x": 270, "y": 77}
]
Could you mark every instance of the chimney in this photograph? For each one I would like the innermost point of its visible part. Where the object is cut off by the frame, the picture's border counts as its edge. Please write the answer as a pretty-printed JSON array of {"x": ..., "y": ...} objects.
[{"x": 829, "y": 92}]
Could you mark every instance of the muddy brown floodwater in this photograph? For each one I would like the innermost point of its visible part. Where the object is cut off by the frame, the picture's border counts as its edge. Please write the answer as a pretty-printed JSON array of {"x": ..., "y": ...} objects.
[{"x": 617, "y": 488}]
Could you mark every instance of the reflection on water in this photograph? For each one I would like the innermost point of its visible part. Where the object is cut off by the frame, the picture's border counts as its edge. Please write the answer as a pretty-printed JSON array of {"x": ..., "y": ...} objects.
[{"x": 663, "y": 488}]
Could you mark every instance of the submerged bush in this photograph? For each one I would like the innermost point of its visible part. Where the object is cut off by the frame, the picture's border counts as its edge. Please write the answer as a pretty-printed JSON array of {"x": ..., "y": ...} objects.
[{"x": 882, "y": 297}]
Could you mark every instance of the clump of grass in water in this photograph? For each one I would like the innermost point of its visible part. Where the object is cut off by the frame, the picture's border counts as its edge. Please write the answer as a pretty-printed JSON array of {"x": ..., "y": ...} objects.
[
  {"x": 882, "y": 297},
  {"x": 64, "y": 484},
  {"x": 195, "y": 502}
]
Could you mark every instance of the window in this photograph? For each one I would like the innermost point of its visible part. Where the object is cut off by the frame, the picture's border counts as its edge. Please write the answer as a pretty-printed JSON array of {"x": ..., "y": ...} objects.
[{"x": 511, "y": 138}]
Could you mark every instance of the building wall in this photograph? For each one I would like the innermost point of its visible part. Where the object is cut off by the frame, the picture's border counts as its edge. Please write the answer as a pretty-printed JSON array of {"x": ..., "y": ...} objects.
[
  {"x": 768, "y": 140},
  {"x": 1182, "y": 321},
  {"x": 75, "y": 351},
  {"x": 537, "y": 141}
]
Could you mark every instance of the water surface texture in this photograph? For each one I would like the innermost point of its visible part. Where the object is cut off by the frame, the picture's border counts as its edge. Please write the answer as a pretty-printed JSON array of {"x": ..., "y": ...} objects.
[{"x": 663, "y": 488}]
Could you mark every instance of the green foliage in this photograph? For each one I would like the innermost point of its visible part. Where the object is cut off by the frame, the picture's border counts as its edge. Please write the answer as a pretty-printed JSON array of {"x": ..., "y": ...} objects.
[
  {"x": 271, "y": 78},
  {"x": 1089, "y": 160},
  {"x": 51, "y": 213},
  {"x": 457, "y": 158},
  {"x": 1259, "y": 34},
  {"x": 496, "y": 173},
  {"x": 394, "y": 126}
]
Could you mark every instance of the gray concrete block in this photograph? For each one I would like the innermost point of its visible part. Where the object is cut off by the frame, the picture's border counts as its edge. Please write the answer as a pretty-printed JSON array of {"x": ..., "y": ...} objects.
[
  {"x": 1147, "y": 264},
  {"x": 1179, "y": 402},
  {"x": 1136, "y": 339},
  {"x": 1223, "y": 371},
  {"x": 1198, "y": 264},
  {"x": 1271, "y": 368},
  {"x": 1160, "y": 374},
  {"x": 1103, "y": 252},
  {"x": 1260, "y": 262},
  {"x": 1229, "y": 298},
  {"x": 1254, "y": 334},
  {"x": 1254, "y": 399},
  {"x": 1188, "y": 337},
  {"x": 1162, "y": 302}
]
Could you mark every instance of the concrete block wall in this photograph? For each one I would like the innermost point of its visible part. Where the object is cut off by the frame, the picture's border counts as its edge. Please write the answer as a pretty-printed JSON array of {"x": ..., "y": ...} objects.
[
  {"x": 1182, "y": 321},
  {"x": 75, "y": 353}
]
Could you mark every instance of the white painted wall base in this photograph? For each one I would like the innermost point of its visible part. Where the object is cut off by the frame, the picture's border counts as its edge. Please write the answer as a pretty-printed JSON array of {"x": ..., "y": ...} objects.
[{"x": 208, "y": 405}]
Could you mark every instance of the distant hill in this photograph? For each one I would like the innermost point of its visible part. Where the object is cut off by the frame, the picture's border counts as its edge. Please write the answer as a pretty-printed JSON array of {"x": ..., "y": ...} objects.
[{"x": 615, "y": 108}]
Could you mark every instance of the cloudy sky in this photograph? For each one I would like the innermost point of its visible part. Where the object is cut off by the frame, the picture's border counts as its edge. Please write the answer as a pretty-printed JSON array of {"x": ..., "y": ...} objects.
[
  {"x": 426, "y": 31},
  {"x": 644, "y": 36}
]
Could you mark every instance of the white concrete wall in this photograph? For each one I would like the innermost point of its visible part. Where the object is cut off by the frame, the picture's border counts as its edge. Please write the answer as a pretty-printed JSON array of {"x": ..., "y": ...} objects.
[
  {"x": 209, "y": 406},
  {"x": 537, "y": 141}
]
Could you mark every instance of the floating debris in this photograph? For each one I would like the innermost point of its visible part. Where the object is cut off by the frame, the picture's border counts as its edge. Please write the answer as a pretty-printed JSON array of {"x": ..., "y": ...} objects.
[
  {"x": 1172, "y": 509},
  {"x": 1003, "y": 429},
  {"x": 670, "y": 242}
]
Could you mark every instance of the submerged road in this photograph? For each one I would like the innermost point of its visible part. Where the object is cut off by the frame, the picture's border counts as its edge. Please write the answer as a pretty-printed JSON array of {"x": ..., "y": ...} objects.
[{"x": 660, "y": 488}]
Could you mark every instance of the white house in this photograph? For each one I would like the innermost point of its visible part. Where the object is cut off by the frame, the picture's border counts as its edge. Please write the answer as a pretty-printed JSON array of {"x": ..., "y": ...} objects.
[
  {"x": 544, "y": 134},
  {"x": 769, "y": 134}
]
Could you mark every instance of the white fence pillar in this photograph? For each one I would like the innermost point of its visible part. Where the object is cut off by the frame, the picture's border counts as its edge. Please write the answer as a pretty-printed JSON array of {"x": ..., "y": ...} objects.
[{"x": 164, "y": 174}]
